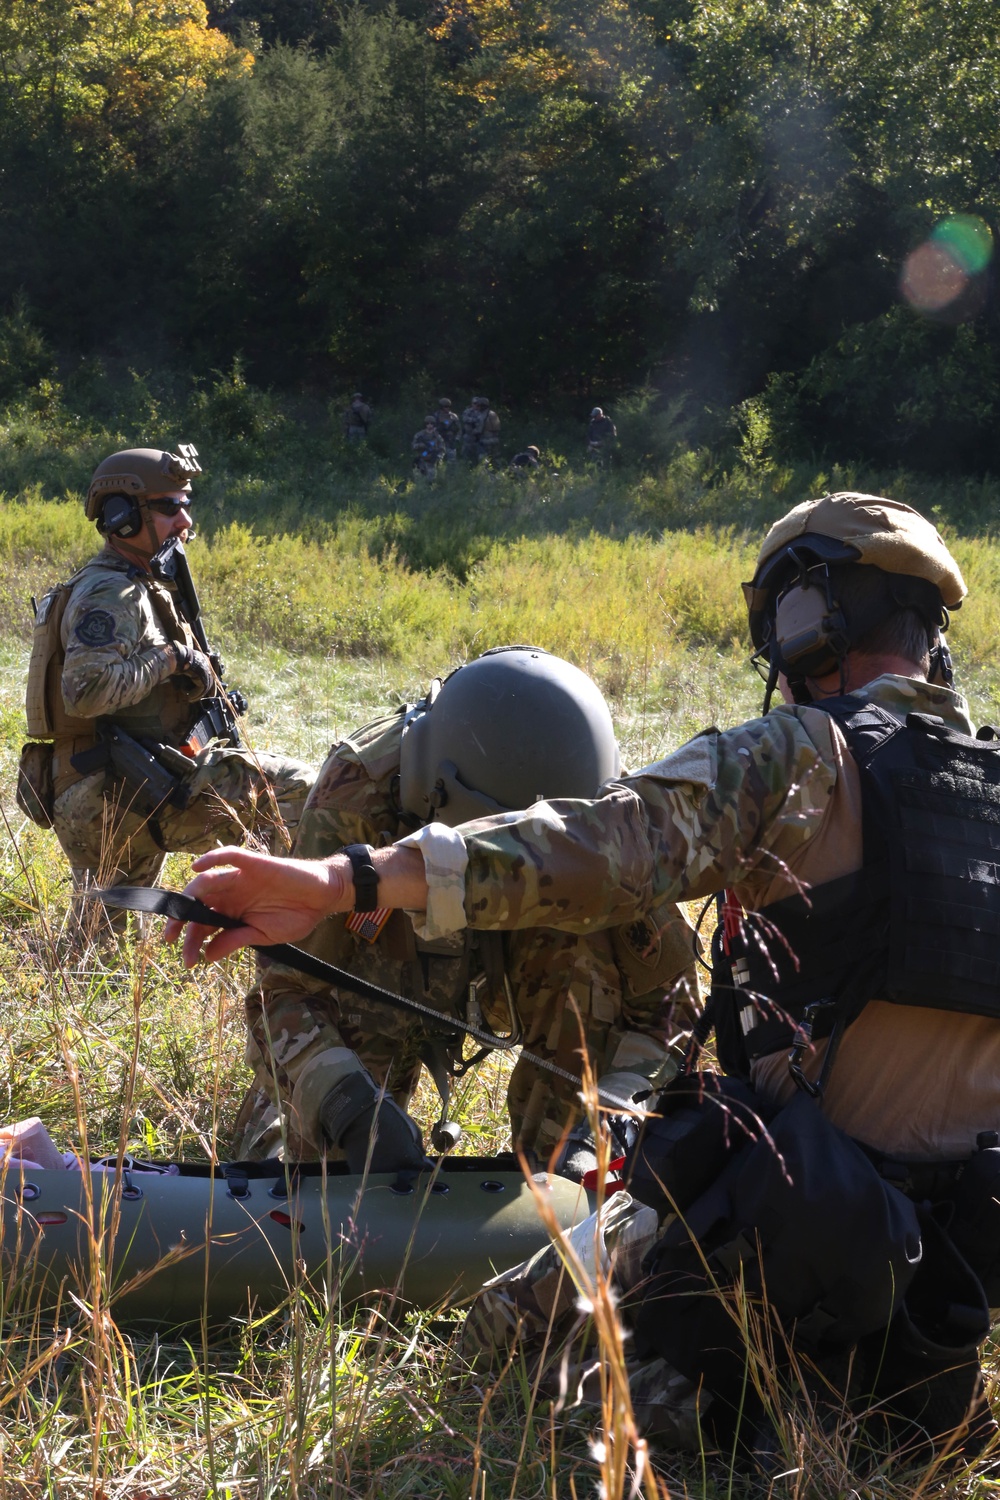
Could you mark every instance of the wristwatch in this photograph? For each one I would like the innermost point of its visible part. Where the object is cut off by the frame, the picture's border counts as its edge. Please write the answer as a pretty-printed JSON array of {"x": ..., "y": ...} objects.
[{"x": 365, "y": 876}]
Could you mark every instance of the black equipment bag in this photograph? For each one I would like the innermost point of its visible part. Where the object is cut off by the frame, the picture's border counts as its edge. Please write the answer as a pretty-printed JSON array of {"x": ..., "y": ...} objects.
[
  {"x": 800, "y": 1219},
  {"x": 924, "y": 1368},
  {"x": 700, "y": 1120}
]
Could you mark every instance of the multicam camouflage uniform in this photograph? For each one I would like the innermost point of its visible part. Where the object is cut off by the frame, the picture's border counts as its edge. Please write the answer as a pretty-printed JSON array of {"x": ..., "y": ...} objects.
[
  {"x": 428, "y": 446},
  {"x": 118, "y": 664},
  {"x": 357, "y": 420},
  {"x": 472, "y": 427},
  {"x": 765, "y": 809},
  {"x": 489, "y": 438},
  {"x": 630, "y": 991},
  {"x": 541, "y": 1309},
  {"x": 449, "y": 425},
  {"x": 480, "y": 432}
]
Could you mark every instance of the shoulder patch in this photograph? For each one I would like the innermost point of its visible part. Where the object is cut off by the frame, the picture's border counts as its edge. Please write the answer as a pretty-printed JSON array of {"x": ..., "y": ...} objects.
[{"x": 97, "y": 628}]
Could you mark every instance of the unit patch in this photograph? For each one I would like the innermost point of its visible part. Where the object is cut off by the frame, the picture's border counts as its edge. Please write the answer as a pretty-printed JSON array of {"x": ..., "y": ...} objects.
[{"x": 97, "y": 628}]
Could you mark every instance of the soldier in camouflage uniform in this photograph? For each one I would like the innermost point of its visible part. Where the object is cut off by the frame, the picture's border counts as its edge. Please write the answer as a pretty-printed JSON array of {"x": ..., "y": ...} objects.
[
  {"x": 768, "y": 810},
  {"x": 449, "y": 425},
  {"x": 112, "y": 648},
  {"x": 357, "y": 419},
  {"x": 625, "y": 993},
  {"x": 480, "y": 430},
  {"x": 428, "y": 449}
]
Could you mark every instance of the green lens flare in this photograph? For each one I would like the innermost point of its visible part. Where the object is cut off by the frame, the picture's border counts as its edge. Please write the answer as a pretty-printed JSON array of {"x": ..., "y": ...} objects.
[{"x": 967, "y": 239}]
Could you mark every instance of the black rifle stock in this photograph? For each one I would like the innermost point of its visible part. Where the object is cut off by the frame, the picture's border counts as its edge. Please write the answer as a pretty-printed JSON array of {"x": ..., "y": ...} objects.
[{"x": 149, "y": 782}]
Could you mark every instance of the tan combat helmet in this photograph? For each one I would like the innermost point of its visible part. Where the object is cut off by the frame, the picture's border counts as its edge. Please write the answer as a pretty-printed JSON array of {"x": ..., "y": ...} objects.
[
  {"x": 139, "y": 472},
  {"x": 797, "y": 623}
]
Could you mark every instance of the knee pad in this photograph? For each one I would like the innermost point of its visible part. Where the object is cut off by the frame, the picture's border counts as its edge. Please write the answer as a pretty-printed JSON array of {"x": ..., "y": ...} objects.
[{"x": 369, "y": 1127}]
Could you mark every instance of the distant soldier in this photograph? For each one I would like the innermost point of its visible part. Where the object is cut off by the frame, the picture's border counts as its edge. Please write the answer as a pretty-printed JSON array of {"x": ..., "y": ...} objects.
[
  {"x": 428, "y": 448},
  {"x": 601, "y": 434},
  {"x": 357, "y": 419},
  {"x": 141, "y": 751},
  {"x": 480, "y": 430},
  {"x": 449, "y": 425},
  {"x": 530, "y": 458}
]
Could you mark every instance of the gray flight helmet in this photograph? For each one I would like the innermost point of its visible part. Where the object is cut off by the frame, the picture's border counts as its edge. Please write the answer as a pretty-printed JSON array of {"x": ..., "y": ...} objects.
[{"x": 512, "y": 727}]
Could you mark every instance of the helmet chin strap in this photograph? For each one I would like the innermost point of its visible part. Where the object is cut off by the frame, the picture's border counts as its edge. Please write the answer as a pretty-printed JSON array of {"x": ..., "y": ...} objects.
[
  {"x": 799, "y": 691},
  {"x": 941, "y": 668}
]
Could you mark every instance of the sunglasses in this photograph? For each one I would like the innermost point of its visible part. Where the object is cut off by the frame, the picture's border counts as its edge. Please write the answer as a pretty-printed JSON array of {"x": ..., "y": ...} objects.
[{"x": 168, "y": 506}]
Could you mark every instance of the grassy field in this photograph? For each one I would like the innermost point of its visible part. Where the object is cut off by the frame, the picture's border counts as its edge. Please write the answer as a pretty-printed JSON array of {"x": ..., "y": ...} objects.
[{"x": 330, "y": 602}]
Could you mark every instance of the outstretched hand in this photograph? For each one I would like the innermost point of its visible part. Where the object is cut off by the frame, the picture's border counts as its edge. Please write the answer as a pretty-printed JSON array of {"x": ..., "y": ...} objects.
[{"x": 281, "y": 901}]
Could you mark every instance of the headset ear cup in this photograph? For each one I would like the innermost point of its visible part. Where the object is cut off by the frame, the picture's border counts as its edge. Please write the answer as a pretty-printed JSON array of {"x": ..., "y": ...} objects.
[{"x": 121, "y": 517}]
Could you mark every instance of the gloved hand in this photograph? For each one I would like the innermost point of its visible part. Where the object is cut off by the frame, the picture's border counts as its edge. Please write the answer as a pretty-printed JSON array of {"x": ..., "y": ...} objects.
[
  {"x": 354, "y": 1111},
  {"x": 196, "y": 666},
  {"x": 579, "y": 1155}
]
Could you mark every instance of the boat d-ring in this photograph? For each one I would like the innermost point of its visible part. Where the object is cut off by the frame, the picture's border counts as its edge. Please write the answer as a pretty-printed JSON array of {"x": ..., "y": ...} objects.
[{"x": 131, "y": 1192}]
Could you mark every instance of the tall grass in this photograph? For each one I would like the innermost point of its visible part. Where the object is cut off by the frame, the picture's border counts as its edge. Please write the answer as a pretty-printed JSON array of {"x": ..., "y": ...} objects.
[{"x": 337, "y": 585}]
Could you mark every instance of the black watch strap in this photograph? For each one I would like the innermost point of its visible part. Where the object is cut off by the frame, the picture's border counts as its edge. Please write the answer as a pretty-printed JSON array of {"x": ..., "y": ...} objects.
[{"x": 365, "y": 876}]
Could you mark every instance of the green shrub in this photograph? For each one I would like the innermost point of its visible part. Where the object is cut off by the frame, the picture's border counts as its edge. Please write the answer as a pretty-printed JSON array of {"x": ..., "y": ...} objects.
[
  {"x": 232, "y": 412},
  {"x": 25, "y": 357}
]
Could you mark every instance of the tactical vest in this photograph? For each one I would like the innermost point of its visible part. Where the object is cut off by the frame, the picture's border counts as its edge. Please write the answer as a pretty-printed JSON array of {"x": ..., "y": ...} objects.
[
  {"x": 918, "y": 924},
  {"x": 165, "y": 713},
  {"x": 44, "y": 708}
]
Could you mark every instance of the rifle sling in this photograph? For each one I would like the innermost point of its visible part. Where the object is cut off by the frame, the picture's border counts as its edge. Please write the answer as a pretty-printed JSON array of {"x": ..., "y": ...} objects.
[
  {"x": 174, "y": 904},
  {"x": 181, "y": 908}
]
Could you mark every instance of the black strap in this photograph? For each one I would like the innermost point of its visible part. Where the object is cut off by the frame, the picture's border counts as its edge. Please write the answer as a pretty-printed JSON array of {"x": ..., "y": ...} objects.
[
  {"x": 181, "y": 908},
  {"x": 365, "y": 876}
]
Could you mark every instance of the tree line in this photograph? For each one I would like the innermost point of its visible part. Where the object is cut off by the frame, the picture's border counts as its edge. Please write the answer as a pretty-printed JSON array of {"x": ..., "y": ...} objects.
[{"x": 780, "y": 217}]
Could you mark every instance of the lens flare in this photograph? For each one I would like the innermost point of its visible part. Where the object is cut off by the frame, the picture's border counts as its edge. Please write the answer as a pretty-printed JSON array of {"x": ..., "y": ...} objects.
[
  {"x": 967, "y": 240},
  {"x": 957, "y": 251}
]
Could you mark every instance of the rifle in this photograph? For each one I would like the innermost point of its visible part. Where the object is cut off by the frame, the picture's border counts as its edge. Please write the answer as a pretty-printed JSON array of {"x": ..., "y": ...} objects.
[
  {"x": 137, "y": 765},
  {"x": 218, "y": 716}
]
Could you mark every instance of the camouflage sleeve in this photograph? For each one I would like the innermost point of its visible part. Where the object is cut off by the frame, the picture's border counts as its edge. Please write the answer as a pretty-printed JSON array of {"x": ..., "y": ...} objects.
[
  {"x": 727, "y": 809},
  {"x": 346, "y": 806},
  {"x": 116, "y": 652},
  {"x": 541, "y": 1304},
  {"x": 296, "y": 1022}
]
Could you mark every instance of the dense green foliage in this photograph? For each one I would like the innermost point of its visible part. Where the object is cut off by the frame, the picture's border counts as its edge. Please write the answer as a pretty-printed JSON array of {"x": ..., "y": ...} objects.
[{"x": 554, "y": 200}]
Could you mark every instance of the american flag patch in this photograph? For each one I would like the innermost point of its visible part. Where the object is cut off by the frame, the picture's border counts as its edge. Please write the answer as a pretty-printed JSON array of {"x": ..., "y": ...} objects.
[{"x": 368, "y": 924}]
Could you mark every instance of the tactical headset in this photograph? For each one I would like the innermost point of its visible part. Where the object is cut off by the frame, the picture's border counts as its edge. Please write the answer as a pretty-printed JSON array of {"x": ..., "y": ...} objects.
[
  {"x": 120, "y": 517},
  {"x": 800, "y": 626}
]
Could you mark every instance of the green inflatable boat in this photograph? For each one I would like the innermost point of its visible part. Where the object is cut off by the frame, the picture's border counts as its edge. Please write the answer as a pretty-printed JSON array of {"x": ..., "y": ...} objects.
[{"x": 178, "y": 1243}]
